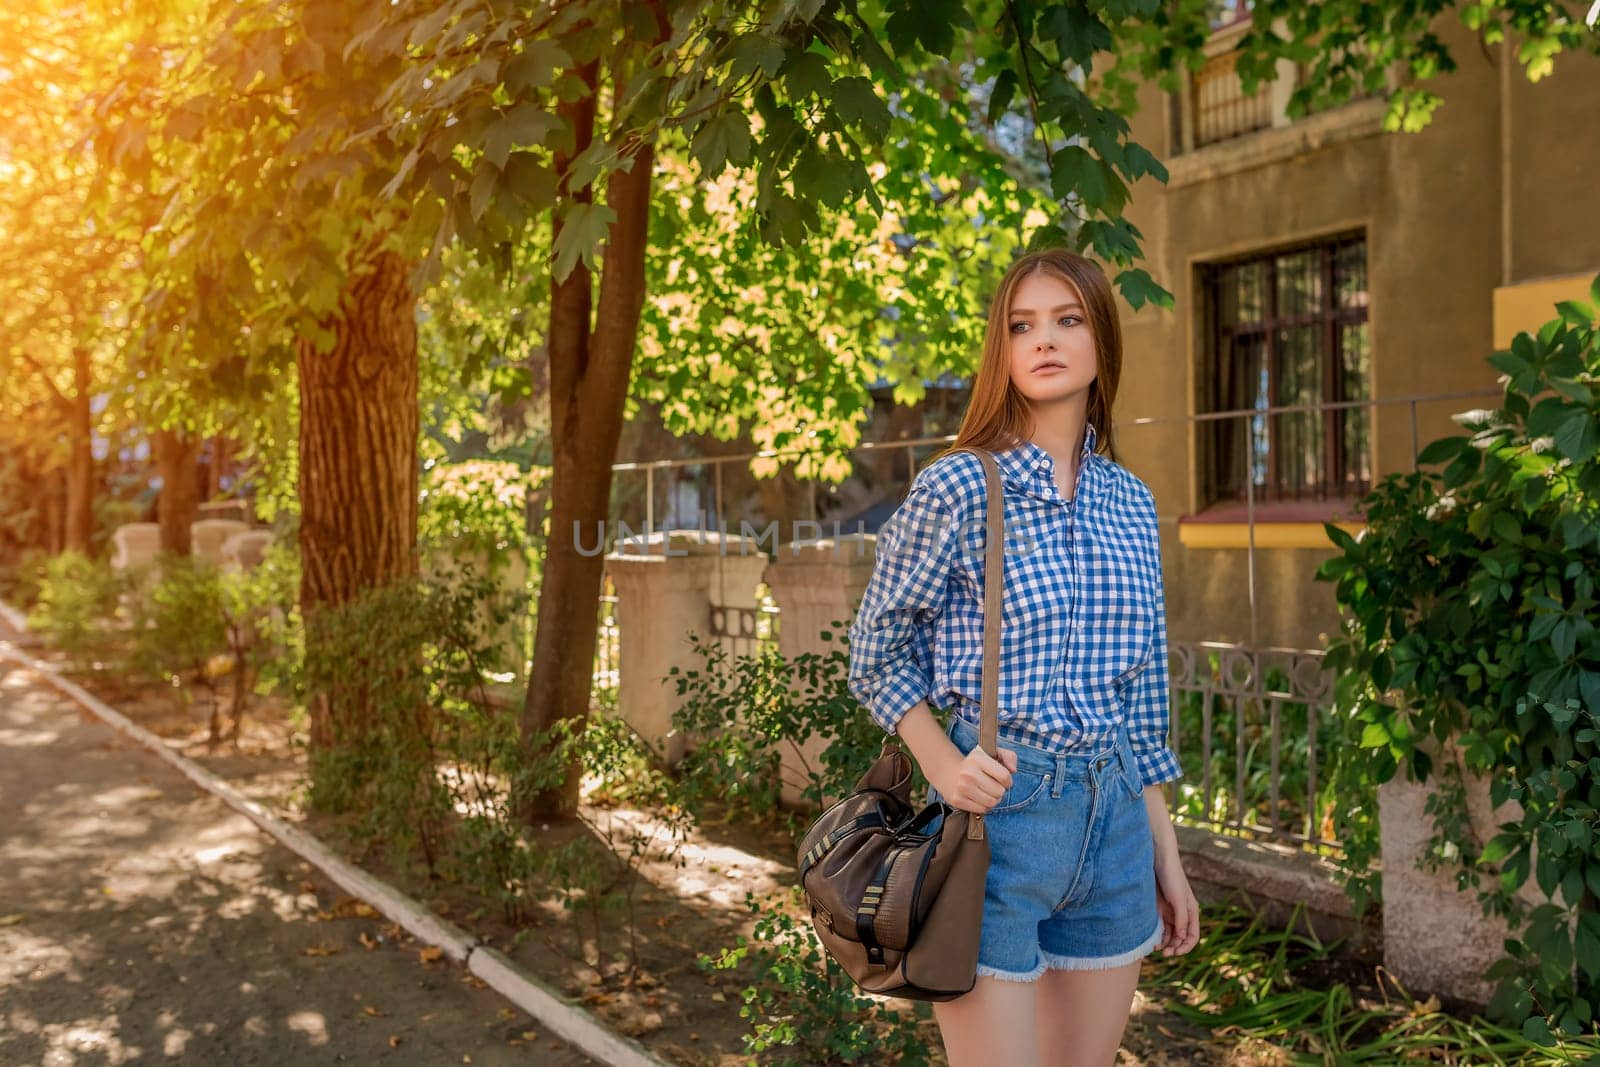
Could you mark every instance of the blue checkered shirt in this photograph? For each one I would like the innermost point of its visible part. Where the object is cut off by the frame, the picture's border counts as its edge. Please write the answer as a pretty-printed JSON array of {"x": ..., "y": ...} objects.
[{"x": 1083, "y": 641}]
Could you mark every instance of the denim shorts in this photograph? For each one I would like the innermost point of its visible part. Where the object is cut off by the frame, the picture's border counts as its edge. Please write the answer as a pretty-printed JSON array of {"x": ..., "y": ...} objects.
[{"x": 1071, "y": 862}]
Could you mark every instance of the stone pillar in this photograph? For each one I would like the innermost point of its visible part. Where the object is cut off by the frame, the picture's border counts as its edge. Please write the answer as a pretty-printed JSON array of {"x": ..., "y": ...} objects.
[
  {"x": 661, "y": 598},
  {"x": 447, "y": 564},
  {"x": 1436, "y": 939},
  {"x": 244, "y": 550},
  {"x": 207, "y": 536},
  {"x": 135, "y": 544},
  {"x": 817, "y": 587}
]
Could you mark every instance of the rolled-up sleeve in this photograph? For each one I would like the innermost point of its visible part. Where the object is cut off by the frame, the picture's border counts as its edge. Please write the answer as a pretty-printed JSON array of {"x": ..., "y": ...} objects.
[
  {"x": 1150, "y": 696},
  {"x": 891, "y": 647}
]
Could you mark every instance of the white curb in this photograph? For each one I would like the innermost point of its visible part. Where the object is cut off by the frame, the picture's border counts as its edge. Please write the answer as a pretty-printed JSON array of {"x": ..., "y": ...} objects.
[
  {"x": 10, "y": 616},
  {"x": 577, "y": 1026}
]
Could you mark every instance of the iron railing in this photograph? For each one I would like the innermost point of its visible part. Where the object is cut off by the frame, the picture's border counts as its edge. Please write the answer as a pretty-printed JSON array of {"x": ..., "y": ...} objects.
[{"x": 1249, "y": 720}]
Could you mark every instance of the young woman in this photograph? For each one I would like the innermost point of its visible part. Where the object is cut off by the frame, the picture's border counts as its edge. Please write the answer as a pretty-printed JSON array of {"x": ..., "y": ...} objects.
[{"x": 1084, "y": 877}]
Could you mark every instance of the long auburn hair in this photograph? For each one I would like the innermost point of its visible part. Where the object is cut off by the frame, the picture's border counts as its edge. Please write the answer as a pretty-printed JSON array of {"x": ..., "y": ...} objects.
[{"x": 997, "y": 416}]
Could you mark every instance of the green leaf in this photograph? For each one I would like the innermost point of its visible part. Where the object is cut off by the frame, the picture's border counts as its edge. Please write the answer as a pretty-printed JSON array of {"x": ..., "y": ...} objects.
[
  {"x": 524, "y": 126},
  {"x": 1074, "y": 170},
  {"x": 806, "y": 74},
  {"x": 534, "y": 67},
  {"x": 1578, "y": 436},
  {"x": 1536, "y": 1029},
  {"x": 1005, "y": 87},
  {"x": 1443, "y": 449},
  {"x": 1341, "y": 537},
  {"x": 1138, "y": 288},
  {"x": 755, "y": 51},
  {"x": 1139, "y": 162},
  {"x": 726, "y": 137},
  {"x": 857, "y": 104},
  {"x": 583, "y": 227}
]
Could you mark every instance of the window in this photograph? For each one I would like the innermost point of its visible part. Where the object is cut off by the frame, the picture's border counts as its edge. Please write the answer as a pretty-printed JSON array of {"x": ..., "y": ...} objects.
[{"x": 1281, "y": 329}]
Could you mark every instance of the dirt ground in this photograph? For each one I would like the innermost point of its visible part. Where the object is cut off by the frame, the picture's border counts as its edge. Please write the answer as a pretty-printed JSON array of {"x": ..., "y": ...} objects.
[
  {"x": 142, "y": 919},
  {"x": 683, "y": 909}
]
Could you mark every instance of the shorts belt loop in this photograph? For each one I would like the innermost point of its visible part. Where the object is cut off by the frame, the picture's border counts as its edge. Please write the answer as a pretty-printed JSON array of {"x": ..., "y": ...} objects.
[
  {"x": 1130, "y": 766},
  {"x": 1059, "y": 781}
]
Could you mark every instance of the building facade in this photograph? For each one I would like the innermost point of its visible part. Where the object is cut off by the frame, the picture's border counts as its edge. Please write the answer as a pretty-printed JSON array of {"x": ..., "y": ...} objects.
[{"x": 1323, "y": 260}]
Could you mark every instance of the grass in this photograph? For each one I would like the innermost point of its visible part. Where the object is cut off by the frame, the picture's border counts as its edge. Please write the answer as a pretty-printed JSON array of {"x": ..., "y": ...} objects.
[{"x": 1285, "y": 993}]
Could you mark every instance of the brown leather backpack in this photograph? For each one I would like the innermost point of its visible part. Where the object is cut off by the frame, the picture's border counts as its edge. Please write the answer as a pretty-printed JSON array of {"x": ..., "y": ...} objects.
[{"x": 896, "y": 894}]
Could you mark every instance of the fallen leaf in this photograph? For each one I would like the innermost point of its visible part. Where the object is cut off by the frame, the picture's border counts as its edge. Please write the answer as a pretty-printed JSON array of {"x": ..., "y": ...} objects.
[
  {"x": 474, "y": 981},
  {"x": 530, "y": 1035},
  {"x": 323, "y": 916},
  {"x": 367, "y": 941},
  {"x": 694, "y": 1035},
  {"x": 365, "y": 910},
  {"x": 11, "y": 920},
  {"x": 308, "y": 886},
  {"x": 320, "y": 950},
  {"x": 508, "y": 1013},
  {"x": 394, "y": 1040},
  {"x": 374, "y": 1012},
  {"x": 430, "y": 954}
]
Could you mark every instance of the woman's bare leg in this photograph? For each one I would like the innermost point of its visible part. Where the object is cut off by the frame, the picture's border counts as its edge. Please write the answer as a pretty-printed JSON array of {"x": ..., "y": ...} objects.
[
  {"x": 1081, "y": 1015},
  {"x": 990, "y": 1026}
]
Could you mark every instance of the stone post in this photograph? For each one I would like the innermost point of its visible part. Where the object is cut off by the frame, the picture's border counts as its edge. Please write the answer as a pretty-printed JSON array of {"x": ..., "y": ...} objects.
[
  {"x": 661, "y": 598},
  {"x": 135, "y": 544},
  {"x": 817, "y": 587},
  {"x": 1436, "y": 939},
  {"x": 207, "y": 536},
  {"x": 245, "y": 550}
]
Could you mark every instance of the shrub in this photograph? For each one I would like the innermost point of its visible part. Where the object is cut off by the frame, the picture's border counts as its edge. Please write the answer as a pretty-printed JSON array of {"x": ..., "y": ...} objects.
[
  {"x": 1471, "y": 648},
  {"x": 745, "y": 711},
  {"x": 79, "y": 610},
  {"x": 803, "y": 1009}
]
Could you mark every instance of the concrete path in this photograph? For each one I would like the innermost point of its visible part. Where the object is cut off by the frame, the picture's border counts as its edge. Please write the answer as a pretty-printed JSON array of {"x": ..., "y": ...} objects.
[{"x": 142, "y": 919}]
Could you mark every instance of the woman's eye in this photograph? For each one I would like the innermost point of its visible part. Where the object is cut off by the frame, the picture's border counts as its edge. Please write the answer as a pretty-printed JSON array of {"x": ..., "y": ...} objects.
[
  {"x": 1015, "y": 326},
  {"x": 1070, "y": 319}
]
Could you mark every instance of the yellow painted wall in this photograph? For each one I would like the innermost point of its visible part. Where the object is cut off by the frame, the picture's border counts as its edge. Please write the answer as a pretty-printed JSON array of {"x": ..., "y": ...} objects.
[{"x": 1528, "y": 305}]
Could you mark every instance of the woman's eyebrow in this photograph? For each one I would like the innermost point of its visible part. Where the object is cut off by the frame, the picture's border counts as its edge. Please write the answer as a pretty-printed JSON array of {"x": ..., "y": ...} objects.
[{"x": 1058, "y": 307}]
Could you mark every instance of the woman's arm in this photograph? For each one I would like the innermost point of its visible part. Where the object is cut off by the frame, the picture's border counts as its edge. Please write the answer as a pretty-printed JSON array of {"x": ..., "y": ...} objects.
[
  {"x": 1175, "y": 901},
  {"x": 974, "y": 782}
]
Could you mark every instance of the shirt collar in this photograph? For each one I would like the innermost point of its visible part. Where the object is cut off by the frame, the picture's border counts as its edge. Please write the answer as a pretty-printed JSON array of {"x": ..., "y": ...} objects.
[{"x": 1027, "y": 466}]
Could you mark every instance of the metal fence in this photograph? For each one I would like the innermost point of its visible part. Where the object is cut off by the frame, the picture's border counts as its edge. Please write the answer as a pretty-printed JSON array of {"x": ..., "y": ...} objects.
[
  {"x": 1250, "y": 727},
  {"x": 1249, "y": 719}
]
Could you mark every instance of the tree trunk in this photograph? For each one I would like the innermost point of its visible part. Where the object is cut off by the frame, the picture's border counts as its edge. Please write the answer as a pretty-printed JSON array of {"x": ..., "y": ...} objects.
[
  {"x": 589, "y": 374},
  {"x": 80, "y": 462},
  {"x": 359, "y": 424},
  {"x": 177, "y": 456}
]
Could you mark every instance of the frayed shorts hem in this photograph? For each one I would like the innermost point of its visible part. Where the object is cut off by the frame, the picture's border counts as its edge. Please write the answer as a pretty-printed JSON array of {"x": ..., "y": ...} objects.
[
  {"x": 1052, "y": 962},
  {"x": 1011, "y": 976},
  {"x": 1101, "y": 963}
]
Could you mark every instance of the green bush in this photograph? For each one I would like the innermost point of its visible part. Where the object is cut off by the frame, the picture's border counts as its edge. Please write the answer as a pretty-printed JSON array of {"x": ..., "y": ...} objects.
[
  {"x": 1471, "y": 648},
  {"x": 745, "y": 711},
  {"x": 79, "y": 611},
  {"x": 803, "y": 1009}
]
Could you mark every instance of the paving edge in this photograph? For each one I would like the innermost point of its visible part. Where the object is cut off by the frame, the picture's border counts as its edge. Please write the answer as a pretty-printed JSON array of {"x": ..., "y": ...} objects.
[{"x": 576, "y": 1026}]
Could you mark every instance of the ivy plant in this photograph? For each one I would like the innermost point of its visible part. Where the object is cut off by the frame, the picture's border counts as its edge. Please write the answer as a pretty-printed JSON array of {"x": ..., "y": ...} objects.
[{"x": 1470, "y": 653}]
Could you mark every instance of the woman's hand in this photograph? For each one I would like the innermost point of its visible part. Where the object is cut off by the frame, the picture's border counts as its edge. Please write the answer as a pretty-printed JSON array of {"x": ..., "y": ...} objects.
[
  {"x": 1179, "y": 910},
  {"x": 974, "y": 782},
  {"x": 1175, "y": 902}
]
